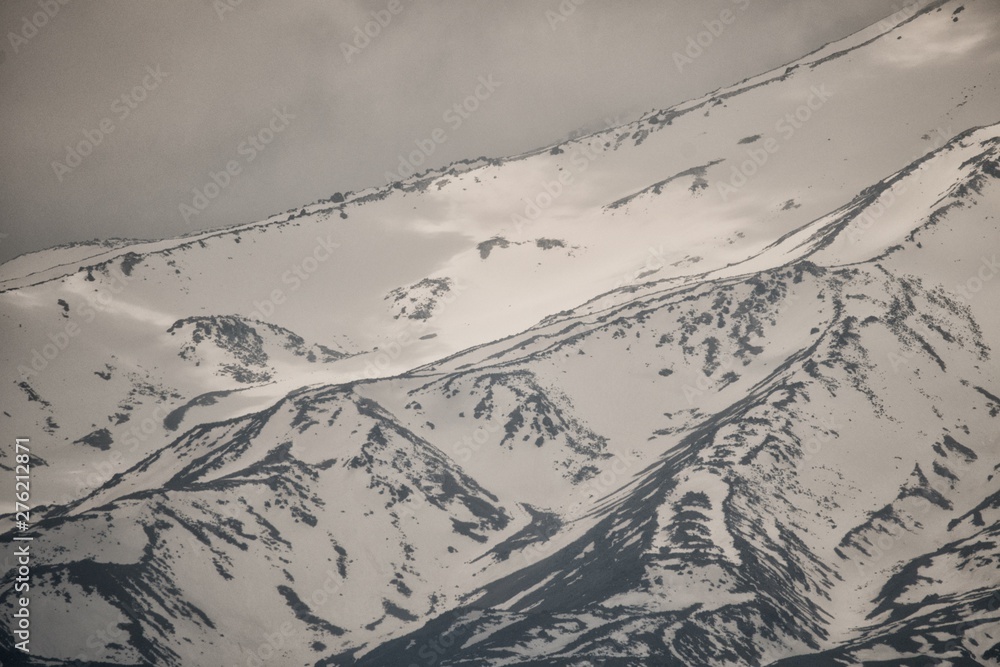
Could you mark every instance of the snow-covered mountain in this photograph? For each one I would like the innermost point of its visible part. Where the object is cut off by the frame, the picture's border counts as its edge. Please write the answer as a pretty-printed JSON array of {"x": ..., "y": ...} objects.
[{"x": 714, "y": 387}]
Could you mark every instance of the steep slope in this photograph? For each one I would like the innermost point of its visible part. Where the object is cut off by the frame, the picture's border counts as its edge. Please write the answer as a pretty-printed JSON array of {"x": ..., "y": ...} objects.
[
  {"x": 685, "y": 566},
  {"x": 632, "y": 533}
]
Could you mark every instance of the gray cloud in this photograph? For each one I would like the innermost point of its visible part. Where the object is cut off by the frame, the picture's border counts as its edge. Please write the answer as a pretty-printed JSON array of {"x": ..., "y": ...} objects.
[{"x": 226, "y": 74}]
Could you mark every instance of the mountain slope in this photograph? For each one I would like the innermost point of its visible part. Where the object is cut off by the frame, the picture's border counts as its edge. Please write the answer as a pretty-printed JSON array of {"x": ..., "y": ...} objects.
[{"x": 624, "y": 400}]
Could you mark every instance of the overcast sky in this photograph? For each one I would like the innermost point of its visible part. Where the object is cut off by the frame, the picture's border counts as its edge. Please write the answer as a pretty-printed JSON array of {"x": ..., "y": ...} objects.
[{"x": 200, "y": 77}]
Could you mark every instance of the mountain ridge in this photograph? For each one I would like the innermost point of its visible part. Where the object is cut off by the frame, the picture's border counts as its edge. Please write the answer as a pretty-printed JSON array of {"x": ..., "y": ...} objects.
[{"x": 772, "y": 441}]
